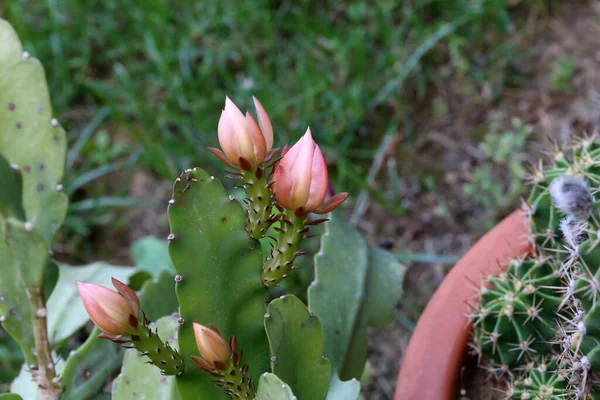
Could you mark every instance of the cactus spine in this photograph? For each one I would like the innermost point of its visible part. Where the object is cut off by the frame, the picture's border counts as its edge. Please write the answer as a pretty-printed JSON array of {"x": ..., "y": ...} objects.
[{"x": 563, "y": 210}]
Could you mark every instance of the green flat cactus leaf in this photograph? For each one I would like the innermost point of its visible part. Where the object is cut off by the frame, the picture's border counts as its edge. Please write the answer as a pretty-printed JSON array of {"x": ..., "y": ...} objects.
[
  {"x": 355, "y": 286},
  {"x": 88, "y": 368},
  {"x": 157, "y": 297},
  {"x": 23, "y": 255},
  {"x": 11, "y": 195},
  {"x": 343, "y": 390},
  {"x": 142, "y": 381},
  {"x": 219, "y": 266},
  {"x": 138, "y": 279},
  {"x": 66, "y": 313},
  {"x": 382, "y": 293},
  {"x": 51, "y": 273},
  {"x": 10, "y": 396},
  {"x": 336, "y": 294},
  {"x": 296, "y": 343},
  {"x": 270, "y": 387},
  {"x": 151, "y": 254},
  {"x": 30, "y": 138}
]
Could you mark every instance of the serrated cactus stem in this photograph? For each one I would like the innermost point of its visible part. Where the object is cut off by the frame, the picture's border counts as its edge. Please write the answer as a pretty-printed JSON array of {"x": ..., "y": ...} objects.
[
  {"x": 260, "y": 204},
  {"x": 283, "y": 254},
  {"x": 236, "y": 382},
  {"x": 163, "y": 356},
  {"x": 44, "y": 374}
]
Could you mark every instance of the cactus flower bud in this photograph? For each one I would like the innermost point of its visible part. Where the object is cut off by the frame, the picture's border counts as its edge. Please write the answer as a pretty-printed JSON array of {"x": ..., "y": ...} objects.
[
  {"x": 301, "y": 179},
  {"x": 211, "y": 345},
  {"x": 113, "y": 313},
  {"x": 245, "y": 143}
]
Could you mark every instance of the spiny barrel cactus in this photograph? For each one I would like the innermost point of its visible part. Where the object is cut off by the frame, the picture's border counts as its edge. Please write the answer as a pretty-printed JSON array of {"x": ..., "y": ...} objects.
[
  {"x": 514, "y": 319},
  {"x": 540, "y": 379},
  {"x": 563, "y": 209}
]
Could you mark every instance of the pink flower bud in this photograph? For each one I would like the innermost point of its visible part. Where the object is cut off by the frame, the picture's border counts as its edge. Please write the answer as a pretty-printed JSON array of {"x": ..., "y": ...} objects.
[
  {"x": 211, "y": 345},
  {"x": 301, "y": 178},
  {"x": 245, "y": 143},
  {"x": 113, "y": 313}
]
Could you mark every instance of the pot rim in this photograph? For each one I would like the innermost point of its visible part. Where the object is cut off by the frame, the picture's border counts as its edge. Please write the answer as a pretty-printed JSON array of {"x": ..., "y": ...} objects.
[{"x": 431, "y": 364}]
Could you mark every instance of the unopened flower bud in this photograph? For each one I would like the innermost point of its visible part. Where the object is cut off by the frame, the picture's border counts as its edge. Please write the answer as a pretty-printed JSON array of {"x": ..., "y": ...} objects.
[
  {"x": 212, "y": 346},
  {"x": 245, "y": 143},
  {"x": 113, "y": 313},
  {"x": 301, "y": 179}
]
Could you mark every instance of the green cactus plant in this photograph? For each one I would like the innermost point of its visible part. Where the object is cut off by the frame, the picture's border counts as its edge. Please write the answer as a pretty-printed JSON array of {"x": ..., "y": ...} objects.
[
  {"x": 218, "y": 267},
  {"x": 514, "y": 318},
  {"x": 270, "y": 387},
  {"x": 87, "y": 368},
  {"x": 32, "y": 140},
  {"x": 540, "y": 380},
  {"x": 296, "y": 343},
  {"x": 371, "y": 289},
  {"x": 563, "y": 269},
  {"x": 23, "y": 254}
]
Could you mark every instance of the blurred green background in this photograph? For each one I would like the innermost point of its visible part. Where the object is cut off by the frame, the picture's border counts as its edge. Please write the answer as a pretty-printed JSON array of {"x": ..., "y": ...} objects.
[{"x": 143, "y": 82}]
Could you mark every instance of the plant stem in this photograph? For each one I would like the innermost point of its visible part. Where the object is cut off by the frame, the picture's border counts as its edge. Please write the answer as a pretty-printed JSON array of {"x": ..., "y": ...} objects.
[
  {"x": 163, "y": 356},
  {"x": 285, "y": 250},
  {"x": 44, "y": 374},
  {"x": 259, "y": 216}
]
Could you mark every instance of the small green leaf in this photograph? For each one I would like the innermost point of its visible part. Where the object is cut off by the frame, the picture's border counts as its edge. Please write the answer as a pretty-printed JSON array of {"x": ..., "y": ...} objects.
[
  {"x": 337, "y": 292},
  {"x": 151, "y": 254},
  {"x": 88, "y": 368},
  {"x": 270, "y": 387},
  {"x": 158, "y": 297},
  {"x": 296, "y": 344},
  {"x": 10, "y": 396},
  {"x": 50, "y": 278},
  {"x": 343, "y": 390}
]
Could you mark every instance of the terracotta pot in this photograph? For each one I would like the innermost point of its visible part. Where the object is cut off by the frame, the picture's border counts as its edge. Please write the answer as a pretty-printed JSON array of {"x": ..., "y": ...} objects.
[{"x": 431, "y": 365}]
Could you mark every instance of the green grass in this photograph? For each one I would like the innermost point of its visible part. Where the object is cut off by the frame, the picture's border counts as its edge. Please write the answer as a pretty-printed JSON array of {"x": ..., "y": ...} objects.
[{"x": 156, "y": 72}]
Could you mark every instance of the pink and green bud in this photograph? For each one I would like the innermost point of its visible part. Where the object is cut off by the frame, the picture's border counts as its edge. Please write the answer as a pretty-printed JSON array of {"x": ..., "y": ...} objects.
[
  {"x": 245, "y": 142},
  {"x": 212, "y": 346},
  {"x": 301, "y": 180},
  {"x": 113, "y": 313}
]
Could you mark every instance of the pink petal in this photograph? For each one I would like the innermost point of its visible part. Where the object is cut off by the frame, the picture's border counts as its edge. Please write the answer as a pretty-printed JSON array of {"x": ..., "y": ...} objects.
[
  {"x": 265, "y": 123},
  {"x": 239, "y": 127},
  {"x": 282, "y": 186},
  {"x": 228, "y": 139},
  {"x": 258, "y": 140},
  {"x": 301, "y": 170},
  {"x": 320, "y": 181},
  {"x": 129, "y": 294}
]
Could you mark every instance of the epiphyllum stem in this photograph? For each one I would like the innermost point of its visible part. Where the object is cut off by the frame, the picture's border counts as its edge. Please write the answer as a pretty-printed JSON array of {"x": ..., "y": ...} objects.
[
  {"x": 163, "y": 356},
  {"x": 260, "y": 205},
  {"x": 44, "y": 374},
  {"x": 281, "y": 262}
]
